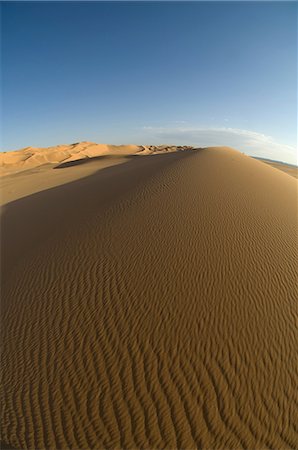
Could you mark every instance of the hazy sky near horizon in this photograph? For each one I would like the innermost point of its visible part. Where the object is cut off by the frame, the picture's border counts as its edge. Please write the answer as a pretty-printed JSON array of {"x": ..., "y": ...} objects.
[{"x": 197, "y": 73}]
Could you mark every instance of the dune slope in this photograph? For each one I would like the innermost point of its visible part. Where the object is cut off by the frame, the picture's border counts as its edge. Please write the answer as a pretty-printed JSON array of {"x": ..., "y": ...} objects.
[
  {"x": 30, "y": 170},
  {"x": 33, "y": 157},
  {"x": 153, "y": 305},
  {"x": 287, "y": 168}
]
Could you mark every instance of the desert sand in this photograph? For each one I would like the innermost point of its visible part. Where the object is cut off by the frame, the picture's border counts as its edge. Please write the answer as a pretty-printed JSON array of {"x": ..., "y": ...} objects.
[
  {"x": 287, "y": 168},
  {"x": 28, "y": 170},
  {"x": 149, "y": 302}
]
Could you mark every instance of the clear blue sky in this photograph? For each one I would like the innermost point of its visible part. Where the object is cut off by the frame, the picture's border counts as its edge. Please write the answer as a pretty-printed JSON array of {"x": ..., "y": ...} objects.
[{"x": 203, "y": 73}]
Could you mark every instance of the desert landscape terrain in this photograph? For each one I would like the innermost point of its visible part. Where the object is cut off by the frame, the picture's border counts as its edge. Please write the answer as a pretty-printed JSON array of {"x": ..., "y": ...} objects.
[
  {"x": 287, "y": 168},
  {"x": 148, "y": 299}
]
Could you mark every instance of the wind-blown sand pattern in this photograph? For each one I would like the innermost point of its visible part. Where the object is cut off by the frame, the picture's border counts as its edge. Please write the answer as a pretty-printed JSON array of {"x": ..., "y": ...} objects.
[
  {"x": 27, "y": 171},
  {"x": 153, "y": 304}
]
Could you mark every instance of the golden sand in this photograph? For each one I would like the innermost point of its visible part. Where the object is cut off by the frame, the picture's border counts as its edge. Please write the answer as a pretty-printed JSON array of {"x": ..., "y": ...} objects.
[
  {"x": 287, "y": 168},
  {"x": 29, "y": 170},
  {"x": 153, "y": 304}
]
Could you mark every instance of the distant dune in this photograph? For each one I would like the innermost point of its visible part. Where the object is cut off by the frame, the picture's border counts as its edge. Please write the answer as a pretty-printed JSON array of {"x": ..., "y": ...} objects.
[
  {"x": 149, "y": 302},
  {"x": 287, "y": 168},
  {"x": 29, "y": 170},
  {"x": 31, "y": 157},
  {"x": 80, "y": 152}
]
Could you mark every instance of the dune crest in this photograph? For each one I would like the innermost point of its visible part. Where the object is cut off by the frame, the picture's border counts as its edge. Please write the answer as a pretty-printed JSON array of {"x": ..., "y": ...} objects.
[
  {"x": 154, "y": 311},
  {"x": 31, "y": 157},
  {"x": 30, "y": 170}
]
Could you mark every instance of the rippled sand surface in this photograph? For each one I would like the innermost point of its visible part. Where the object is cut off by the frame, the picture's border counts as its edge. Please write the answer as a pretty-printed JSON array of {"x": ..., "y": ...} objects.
[{"x": 153, "y": 305}]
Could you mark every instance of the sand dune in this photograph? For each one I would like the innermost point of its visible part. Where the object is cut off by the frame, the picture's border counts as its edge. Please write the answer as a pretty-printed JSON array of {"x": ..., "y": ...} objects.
[
  {"x": 153, "y": 304},
  {"x": 30, "y": 157},
  {"x": 287, "y": 168},
  {"x": 29, "y": 170}
]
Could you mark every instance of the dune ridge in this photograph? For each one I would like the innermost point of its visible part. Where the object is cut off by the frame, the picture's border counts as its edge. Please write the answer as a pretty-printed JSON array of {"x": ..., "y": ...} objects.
[
  {"x": 29, "y": 170},
  {"x": 155, "y": 312},
  {"x": 290, "y": 169},
  {"x": 32, "y": 157}
]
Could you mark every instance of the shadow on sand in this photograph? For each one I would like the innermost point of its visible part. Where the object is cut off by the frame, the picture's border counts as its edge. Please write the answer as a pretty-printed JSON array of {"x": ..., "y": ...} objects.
[
  {"x": 4, "y": 446},
  {"x": 29, "y": 221},
  {"x": 79, "y": 162}
]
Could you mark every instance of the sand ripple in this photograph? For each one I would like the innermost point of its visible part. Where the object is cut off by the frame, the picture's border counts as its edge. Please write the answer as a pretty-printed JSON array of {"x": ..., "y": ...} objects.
[{"x": 159, "y": 311}]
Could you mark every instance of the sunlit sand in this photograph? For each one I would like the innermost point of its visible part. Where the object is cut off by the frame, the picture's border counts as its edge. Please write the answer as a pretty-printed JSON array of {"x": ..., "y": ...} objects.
[{"x": 149, "y": 299}]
